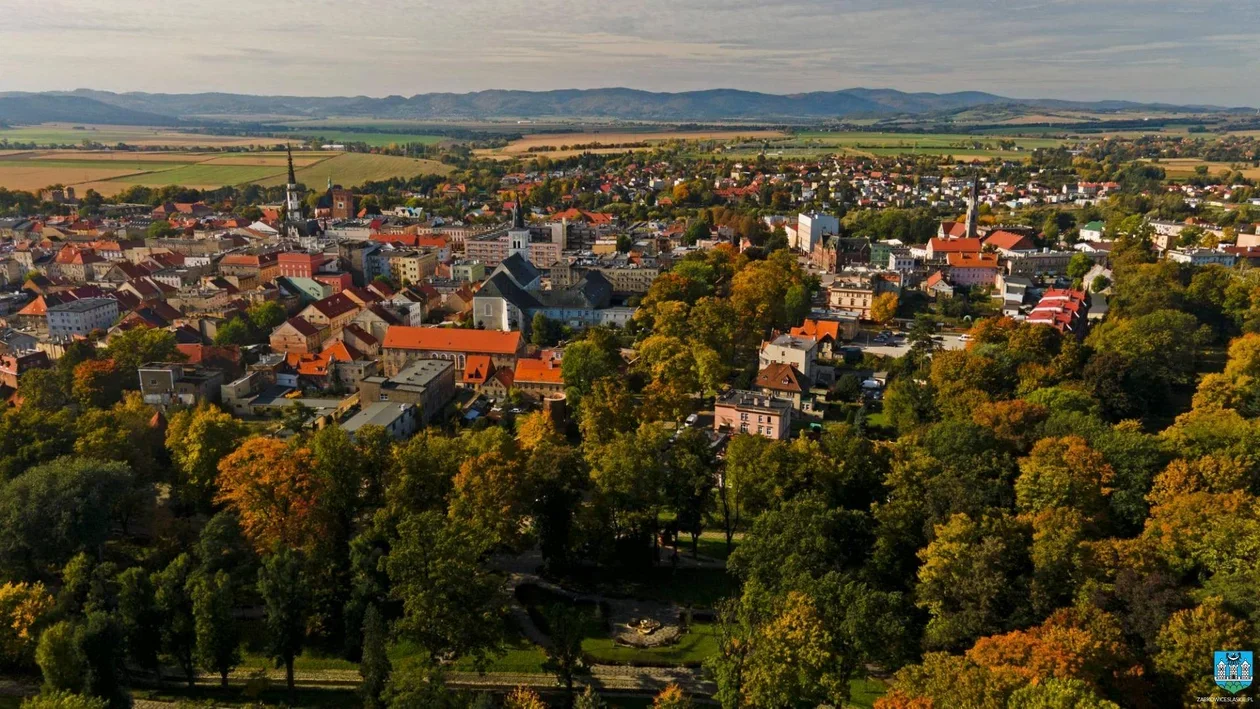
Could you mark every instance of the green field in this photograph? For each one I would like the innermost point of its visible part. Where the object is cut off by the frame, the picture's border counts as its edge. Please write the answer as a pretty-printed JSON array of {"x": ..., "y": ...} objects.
[
  {"x": 204, "y": 176},
  {"x": 112, "y": 172},
  {"x": 357, "y": 168}
]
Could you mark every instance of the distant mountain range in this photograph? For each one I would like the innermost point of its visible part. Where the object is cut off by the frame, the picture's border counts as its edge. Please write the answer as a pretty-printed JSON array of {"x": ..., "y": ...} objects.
[{"x": 88, "y": 106}]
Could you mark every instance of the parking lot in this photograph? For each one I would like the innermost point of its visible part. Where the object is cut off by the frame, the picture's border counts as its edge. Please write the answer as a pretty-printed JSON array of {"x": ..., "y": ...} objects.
[{"x": 901, "y": 347}]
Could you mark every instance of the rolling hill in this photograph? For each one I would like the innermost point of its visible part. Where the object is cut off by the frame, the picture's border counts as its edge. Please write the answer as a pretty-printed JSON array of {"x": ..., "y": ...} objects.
[{"x": 86, "y": 105}]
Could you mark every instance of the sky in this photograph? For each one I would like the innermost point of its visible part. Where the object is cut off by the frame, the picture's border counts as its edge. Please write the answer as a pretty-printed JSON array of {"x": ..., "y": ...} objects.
[{"x": 1201, "y": 51}]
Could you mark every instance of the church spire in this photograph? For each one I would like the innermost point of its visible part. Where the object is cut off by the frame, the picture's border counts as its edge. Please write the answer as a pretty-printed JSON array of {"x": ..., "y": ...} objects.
[
  {"x": 518, "y": 213},
  {"x": 292, "y": 177}
]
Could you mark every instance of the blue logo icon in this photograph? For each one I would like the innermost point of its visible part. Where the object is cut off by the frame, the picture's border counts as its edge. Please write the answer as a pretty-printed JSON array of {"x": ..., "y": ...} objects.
[{"x": 1233, "y": 669}]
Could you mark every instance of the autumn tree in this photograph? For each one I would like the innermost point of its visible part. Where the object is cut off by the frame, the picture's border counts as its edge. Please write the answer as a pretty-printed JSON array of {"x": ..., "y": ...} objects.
[
  {"x": 96, "y": 383},
  {"x": 199, "y": 439},
  {"x": 1187, "y": 641},
  {"x": 884, "y": 307},
  {"x": 273, "y": 489}
]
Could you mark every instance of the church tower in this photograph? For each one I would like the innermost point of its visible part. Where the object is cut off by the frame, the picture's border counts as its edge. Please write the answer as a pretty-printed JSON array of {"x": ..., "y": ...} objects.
[
  {"x": 518, "y": 235},
  {"x": 973, "y": 206},
  {"x": 292, "y": 200}
]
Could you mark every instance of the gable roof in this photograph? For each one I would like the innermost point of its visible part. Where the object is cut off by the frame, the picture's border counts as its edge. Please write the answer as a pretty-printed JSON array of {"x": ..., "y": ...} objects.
[
  {"x": 973, "y": 260},
  {"x": 1009, "y": 240},
  {"x": 519, "y": 269},
  {"x": 449, "y": 339},
  {"x": 303, "y": 327},
  {"x": 477, "y": 369},
  {"x": 947, "y": 246},
  {"x": 818, "y": 329},
  {"x": 335, "y": 305},
  {"x": 539, "y": 371},
  {"x": 779, "y": 376}
]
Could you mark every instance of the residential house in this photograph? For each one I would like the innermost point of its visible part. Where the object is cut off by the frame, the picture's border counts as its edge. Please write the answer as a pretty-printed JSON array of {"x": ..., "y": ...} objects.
[
  {"x": 298, "y": 336},
  {"x": 752, "y": 412},
  {"x": 539, "y": 377},
  {"x": 78, "y": 318},
  {"x": 400, "y": 421},
  {"x": 972, "y": 269}
]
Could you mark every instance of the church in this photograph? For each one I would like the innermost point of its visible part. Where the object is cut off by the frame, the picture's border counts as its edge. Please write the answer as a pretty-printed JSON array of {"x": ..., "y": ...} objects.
[{"x": 513, "y": 294}]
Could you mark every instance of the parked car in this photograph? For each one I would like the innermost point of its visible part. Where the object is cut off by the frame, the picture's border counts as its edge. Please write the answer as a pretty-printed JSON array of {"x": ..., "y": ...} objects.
[{"x": 693, "y": 419}]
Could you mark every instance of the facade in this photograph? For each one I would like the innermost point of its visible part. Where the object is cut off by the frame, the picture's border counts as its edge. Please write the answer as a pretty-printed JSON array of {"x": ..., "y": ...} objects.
[
  {"x": 1202, "y": 257},
  {"x": 796, "y": 351},
  {"x": 810, "y": 229},
  {"x": 298, "y": 336},
  {"x": 299, "y": 264},
  {"x": 973, "y": 269},
  {"x": 1039, "y": 263},
  {"x": 407, "y": 267},
  {"x": 399, "y": 420},
  {"x": 740, "y": 411},
  {"x": 427, "y": 384},
  {"x": 173, "y": 383},
  {"x": 80, "y": 317},
  {"x": 852, "y": 298}
]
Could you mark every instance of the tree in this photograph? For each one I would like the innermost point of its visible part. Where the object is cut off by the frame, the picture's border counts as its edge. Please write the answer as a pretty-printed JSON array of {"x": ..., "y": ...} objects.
[
  {"x": 884, "y": 307},
  {"x": 218, "y": 642},
  {"x": 63, "y": 700},
  {"x": 99, "y": 638},
  {"x": 58, "y": 509},
  {"x": 451, "y": 605},
  {"x": 375, "y": 666},
  {"x": 234, "y": 332},
  {"x": 588, "y": 699},
  {"x": 523, "y": 698},
  {"x": 174, "y": 603},
  {"x": 23, "y": 609},
  {"x": 60, "y": 658},
  {"x": 565, "y": 630},
  {"x": 265, "y": 316},
  {"x": 973, "y": 580},
  {"x": 283, "y": 591},
  {"x": 43, "y": 389},
  {"x": 139, "y": 619},
  {"x": 672, "y": 697},
  {"x": 132, "y": 349},
  {"x": 1079, "y": 265},
  {"x": 1187, "y": 641},
  {"x": 96, "y": 383},
  {"x": 688, "y": 483},
  {"x": 1064, "y": 472},
  {"x": 584, "y": 363},
  {"x": 198, "y": 440},
  {"x": 544, "y": 331},
  {"x": 274, "y": 491},
  {"x": 161, "y": 229},
  {"x": 488, "y": 497}
]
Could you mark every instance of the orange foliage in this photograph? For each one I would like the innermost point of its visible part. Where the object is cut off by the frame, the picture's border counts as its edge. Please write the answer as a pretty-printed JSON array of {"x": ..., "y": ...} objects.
[
  {"x": 273, "y": 488},
  {"x": 1015, "y": 421}
]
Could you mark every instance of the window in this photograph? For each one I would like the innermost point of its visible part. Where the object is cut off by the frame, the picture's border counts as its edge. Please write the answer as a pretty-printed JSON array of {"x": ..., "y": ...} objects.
[
  {"x": 743, "y": 417},
  {"x": 743, "y": 428}
]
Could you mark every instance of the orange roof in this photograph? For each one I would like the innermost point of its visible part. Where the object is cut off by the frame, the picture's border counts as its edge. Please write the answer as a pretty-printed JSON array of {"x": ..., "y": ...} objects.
[
  {"x": 35, "y": 308},
  {"x": 1002, "y": 239},
  {"x": 973, "y": 260},
  {"x": 946, "y": 246},
  {"x": 539, "y": 371},
  {"x": 446, "y": 339},
  {"x": 818, "y": 329},
  {"x": 477, "y": 369}
]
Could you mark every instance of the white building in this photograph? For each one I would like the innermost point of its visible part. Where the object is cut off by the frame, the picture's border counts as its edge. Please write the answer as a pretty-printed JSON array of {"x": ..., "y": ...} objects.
[
  {"x": 81, "y": 317},
  {"x": 1198, "y": 257},
  {"x": 810, "y": 229}
]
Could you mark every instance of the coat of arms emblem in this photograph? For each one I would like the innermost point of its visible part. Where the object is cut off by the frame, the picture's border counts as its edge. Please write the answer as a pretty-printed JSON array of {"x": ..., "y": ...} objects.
[{"x": 1233, "y": 669}]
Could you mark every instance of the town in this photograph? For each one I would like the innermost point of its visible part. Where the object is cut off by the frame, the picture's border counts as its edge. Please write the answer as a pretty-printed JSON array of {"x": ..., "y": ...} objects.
[{"x": 672, "y": 396}]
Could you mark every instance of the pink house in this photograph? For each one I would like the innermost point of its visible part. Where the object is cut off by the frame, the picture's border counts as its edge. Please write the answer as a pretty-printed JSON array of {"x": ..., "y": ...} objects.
[
  {"x": 739, "y": 411},
  {"x": 973, "y": 269}
]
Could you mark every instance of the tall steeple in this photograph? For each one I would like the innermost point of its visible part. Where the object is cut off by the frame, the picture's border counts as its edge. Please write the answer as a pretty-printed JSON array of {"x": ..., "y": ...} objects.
[
  {"x": 292, "y": 200},
  {"x": 518, "y": 235},
  {"x": 973, "y": 206}
]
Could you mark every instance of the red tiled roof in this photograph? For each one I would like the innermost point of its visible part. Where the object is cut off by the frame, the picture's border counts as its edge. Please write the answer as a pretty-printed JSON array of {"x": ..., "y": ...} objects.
[
  {"x": 957, "y": 260},
  {"x": 448, "y": 339},
  {"x": 1009, "y": 240},
  {"x": 780, "y": 376},
  {"x": 477, "y": 369},
  {"x": 539, "y": 371},
  {"x": 947, "y": 246}
]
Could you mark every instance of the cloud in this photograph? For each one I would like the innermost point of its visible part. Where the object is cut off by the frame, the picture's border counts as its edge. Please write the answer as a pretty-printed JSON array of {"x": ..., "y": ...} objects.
[{"x": 1134, "y": 49}]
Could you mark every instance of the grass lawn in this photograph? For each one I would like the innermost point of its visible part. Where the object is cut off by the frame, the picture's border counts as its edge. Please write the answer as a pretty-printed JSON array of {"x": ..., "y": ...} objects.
[
  {"x": 699, "y": 642},
  {"x": 864, "y": 692}
]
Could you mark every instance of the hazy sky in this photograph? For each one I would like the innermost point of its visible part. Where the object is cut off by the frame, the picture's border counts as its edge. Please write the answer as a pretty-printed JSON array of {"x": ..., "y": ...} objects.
[{"x": 1154, "y": 50}]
